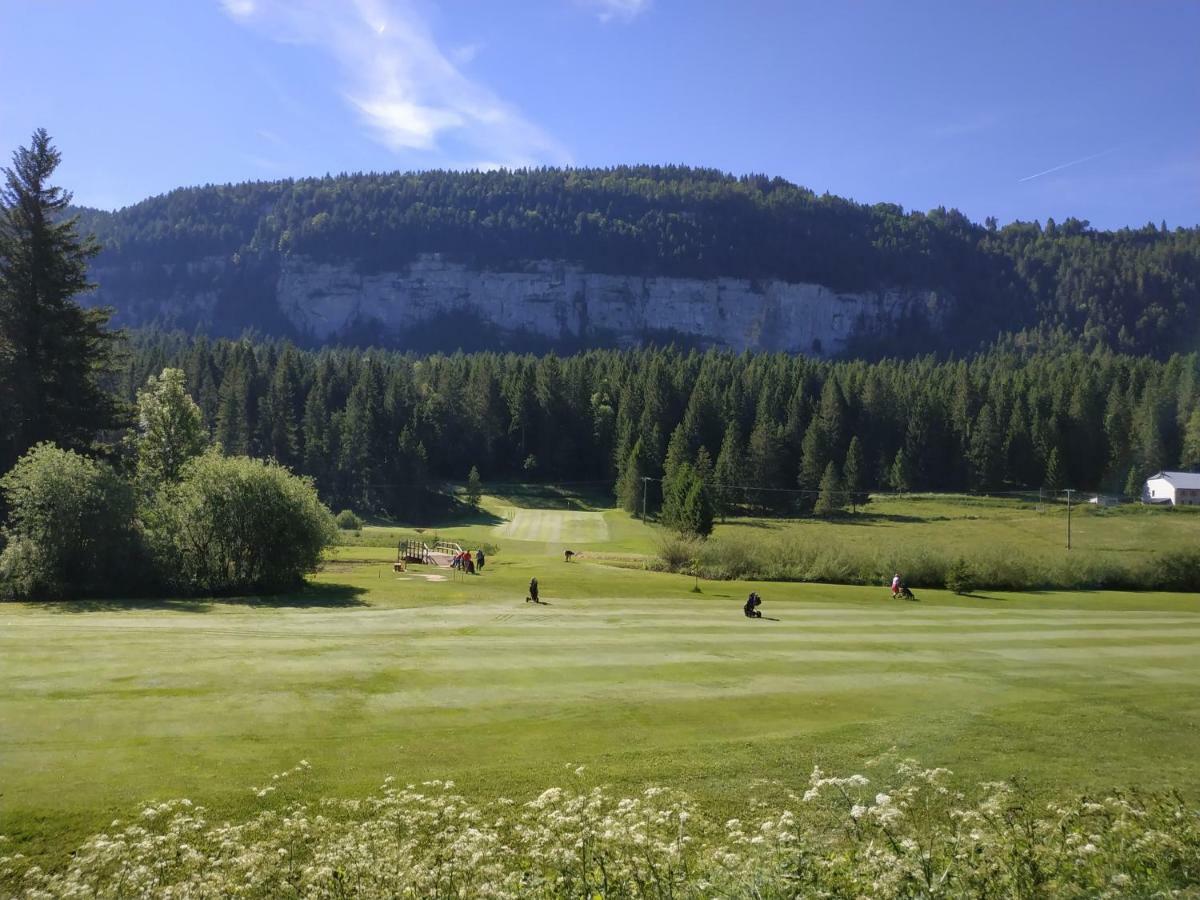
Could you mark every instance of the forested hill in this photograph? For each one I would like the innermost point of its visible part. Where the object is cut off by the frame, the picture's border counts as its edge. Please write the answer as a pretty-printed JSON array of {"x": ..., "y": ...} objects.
[{"x": 222, "y": 247}]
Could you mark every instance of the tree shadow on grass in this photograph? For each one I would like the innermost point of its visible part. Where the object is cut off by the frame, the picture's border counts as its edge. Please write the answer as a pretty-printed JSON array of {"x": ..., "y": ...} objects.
[
  {"x": 870, "y": 518},
  {"x": 310, "y": 596},
  {"x": 755, "y": 523},
  {"x": 450, "y": 517}
]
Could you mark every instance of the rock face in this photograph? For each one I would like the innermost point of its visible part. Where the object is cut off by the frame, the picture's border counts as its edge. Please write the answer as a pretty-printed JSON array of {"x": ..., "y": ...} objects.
[
  {"x": 559, "y": 302},
  {"x": 553, "y": 302}
]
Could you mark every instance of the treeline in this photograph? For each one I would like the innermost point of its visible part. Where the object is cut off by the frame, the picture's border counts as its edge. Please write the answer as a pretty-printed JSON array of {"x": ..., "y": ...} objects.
[
  {"x": 378, "y": 430},
  {"x": 1134, "y": 290}
]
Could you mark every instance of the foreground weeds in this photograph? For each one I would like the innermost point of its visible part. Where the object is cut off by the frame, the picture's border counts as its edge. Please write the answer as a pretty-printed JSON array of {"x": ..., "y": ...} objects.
[{"x": 903, "y": 834}]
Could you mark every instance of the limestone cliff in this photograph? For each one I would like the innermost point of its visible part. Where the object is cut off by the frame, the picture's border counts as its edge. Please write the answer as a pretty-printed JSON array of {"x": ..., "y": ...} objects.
[{"x": 552, "y": 301}]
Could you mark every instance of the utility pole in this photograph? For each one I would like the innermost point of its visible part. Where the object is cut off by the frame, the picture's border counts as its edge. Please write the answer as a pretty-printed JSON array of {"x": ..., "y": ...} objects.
[
  {"x": 645, "y": 488},
  {"x": 1068, "y": 518}
]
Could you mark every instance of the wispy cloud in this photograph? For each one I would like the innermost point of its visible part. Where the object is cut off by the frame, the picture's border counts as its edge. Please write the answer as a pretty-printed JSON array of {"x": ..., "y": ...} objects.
[
  {"x": 618, "y": 10},
  {"x": 1067, "y": 165},
  {"x": 410, "y": 94}
]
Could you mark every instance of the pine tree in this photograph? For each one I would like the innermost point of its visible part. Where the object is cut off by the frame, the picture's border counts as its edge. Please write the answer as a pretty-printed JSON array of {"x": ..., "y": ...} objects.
[
  {"x": 233, "y": 403},
  {"x": 832, "y": 497},
  {"x": 984, "y": 450},
  {"x": 764, "y": 462},
  {"x": 629, "y": 483},
  {"x": 281, "y": 416},
  {"x": 317, "y": 448},
  {"x": 697, "y": 512},
  {"x": 675, "y": 490},
  {"x": 54, "y": 355},
  {"x": 814, "y": 457},
  {"x": 900, "y": 473},
  {"x": 1053, "y": 479},
  {"x": 729, "y": 471},
  {"x": 854, "y": 472}
]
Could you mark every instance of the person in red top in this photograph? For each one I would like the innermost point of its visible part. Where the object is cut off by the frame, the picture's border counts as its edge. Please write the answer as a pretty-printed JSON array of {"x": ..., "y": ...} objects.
[{"x": 895, "y": 585}]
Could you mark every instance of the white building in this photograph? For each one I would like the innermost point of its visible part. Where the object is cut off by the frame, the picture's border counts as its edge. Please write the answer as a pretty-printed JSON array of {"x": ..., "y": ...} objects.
[{"x": 1176, "y": 488}]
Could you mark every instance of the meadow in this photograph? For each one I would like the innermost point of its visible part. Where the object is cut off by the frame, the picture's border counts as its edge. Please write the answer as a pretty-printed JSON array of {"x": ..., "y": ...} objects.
[{"x": 633, "y": 675}]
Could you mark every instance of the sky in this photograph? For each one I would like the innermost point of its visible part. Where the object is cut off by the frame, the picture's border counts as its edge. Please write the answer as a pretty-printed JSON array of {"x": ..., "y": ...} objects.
[{"x": 1018, "y": 110}]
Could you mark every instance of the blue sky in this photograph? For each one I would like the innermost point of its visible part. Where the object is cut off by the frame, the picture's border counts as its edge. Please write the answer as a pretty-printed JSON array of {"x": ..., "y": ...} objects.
[{"x": 1013, "y": 109}]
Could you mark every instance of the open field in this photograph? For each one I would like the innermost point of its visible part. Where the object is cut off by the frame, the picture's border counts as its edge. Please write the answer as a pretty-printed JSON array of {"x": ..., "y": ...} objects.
[
  {"x": 626, "y": 672},
  {"x": 967, "y": 525}
]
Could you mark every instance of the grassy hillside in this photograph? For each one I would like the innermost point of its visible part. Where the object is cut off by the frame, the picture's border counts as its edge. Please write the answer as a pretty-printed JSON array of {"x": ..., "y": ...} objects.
[{"x": 629, "y": 673}]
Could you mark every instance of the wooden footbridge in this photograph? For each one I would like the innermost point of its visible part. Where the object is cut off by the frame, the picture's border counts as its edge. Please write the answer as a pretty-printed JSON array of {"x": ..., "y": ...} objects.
[{"x": 441, "y": 554}]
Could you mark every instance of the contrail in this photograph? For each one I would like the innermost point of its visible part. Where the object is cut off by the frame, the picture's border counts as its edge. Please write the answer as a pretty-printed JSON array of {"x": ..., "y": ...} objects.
[{"x": 1067, "y": 165}]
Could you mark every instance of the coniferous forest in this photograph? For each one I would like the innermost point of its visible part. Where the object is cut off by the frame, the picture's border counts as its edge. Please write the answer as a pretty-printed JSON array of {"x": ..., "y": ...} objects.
[
  {"x": 381, "y": 431},
  {"x": 1062, "y": 404}
]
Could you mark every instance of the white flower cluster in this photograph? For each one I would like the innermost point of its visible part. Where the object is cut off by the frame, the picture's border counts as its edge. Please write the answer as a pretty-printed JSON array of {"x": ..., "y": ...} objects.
[{"x": 911, "y": 835}]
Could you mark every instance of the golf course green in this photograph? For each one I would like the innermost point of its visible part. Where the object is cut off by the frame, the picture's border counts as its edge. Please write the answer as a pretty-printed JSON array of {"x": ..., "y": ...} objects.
[{"x": 640, "y": 677}]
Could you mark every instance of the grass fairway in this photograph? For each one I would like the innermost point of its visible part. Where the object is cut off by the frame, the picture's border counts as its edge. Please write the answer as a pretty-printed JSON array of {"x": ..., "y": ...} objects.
[{"x": 626, "y": 672}]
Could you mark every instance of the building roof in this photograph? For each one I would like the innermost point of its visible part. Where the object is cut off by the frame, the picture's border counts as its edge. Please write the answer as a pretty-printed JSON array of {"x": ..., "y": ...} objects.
[{"x": 1189, "y": 480}]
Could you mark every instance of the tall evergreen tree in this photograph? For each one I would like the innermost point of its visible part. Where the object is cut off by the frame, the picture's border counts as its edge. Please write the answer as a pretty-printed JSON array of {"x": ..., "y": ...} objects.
[
  {"x": 697, "y": 513},
  {"x": 730, "y": 469},
  {"x": 629, "y": 482},
  {"x": 54, "y": 355},
  {"x": 831, "y": 497},
  {"x": 1053, "y": 479},
  {"x": 854, "y": 472},
  {"x": 984, "y": 450}
]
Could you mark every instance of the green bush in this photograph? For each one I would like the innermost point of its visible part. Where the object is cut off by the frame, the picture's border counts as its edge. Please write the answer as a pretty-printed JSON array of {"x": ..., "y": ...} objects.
[
  {"x": 348, "y": 521},
  {"x": 236, "y": 524},
  {"x": 960, "y": 578},
  {"x": 70, "y": 530},
  {"x": 678, "y": 551}
]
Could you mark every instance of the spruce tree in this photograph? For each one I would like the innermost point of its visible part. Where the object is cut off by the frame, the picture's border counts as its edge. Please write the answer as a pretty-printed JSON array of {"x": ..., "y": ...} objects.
[
  {"x": 54, "y": 355},
  {"x": 629, "y": 482},
  {"x": 832, "y": 497},
  {"x": 984, "y": 450},
  {"x": 854, "y": 472},
  {"x": 697, "y": 513},
  {"x": 729, "y": 470},
  {"x": 675, "y": 489},
  {"x": 900, "y": 474},
  {"x": 1053, "y": 479}
]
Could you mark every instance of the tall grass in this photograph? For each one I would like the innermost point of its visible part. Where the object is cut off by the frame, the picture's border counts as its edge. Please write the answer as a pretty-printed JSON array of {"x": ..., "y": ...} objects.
[{"x": 775, "y": 557}]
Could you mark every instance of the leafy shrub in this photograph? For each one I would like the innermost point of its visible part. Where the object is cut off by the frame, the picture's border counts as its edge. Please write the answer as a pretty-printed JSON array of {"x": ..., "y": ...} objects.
[
  {"x": 70, "y": 529},
  {"x": 1178, "y": 570},
  {"x": 237, "y": 524},
  {"x": 348, "y": 521},
  {"x": 959, "y": 577},
  {"x": 678, "y": 551}
]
